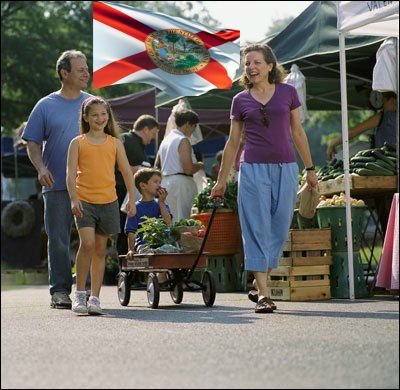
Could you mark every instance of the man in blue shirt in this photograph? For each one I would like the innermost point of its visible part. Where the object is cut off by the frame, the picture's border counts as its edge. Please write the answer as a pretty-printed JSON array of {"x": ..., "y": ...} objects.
[{"x": 51, "y": 126}]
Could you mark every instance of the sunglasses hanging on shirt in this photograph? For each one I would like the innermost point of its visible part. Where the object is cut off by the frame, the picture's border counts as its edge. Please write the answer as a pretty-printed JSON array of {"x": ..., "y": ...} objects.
[{"x": 263, "y": 110}]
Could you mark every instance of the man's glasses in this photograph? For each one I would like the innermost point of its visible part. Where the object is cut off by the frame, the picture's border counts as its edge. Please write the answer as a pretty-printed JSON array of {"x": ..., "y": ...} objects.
[{"x": 263, "y": 110}]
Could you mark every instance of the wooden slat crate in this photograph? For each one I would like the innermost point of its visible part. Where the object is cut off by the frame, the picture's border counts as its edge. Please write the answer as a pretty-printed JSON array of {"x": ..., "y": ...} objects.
[{"x": 303, "y": 272}]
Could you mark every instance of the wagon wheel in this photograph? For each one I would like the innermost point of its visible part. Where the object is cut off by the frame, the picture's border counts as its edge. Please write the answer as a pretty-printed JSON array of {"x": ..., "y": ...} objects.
[
  {"x": 124, "y": 288},
  {"x": 209, "y": 289},
  {"x": 153, "y": 291},
  {"x": 177, "y": 292}
]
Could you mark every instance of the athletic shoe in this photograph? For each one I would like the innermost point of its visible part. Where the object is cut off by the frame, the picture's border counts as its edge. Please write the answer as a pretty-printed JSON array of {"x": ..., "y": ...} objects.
[
  {"x": 94, "y": 306},
  {"x": 79, "y": 304},
  {"x": 60, "y": 300}
]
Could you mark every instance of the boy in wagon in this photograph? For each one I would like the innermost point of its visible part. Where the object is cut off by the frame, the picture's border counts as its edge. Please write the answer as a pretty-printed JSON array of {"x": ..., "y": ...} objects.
[{"x": 148, "y": 182}]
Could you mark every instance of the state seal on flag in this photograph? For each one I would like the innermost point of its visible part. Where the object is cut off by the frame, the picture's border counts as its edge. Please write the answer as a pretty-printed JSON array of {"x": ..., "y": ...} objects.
[{"x": 177, "y": 51}]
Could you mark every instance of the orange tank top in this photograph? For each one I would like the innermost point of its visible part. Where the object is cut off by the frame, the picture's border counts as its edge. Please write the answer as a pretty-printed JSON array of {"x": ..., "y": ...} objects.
[{"x": 95, "y": 182}]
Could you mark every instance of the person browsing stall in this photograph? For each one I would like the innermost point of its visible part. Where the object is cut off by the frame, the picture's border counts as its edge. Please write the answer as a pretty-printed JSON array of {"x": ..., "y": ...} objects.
[
  {"x": 178, "y": 164},
  {"x": 91, "y": 185},
  {"x": 384, "y": 123}
]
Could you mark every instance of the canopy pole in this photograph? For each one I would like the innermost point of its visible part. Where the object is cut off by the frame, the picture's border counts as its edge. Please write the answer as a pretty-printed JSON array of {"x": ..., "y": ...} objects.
[
  {"x": 397, "y": 113},
  {"x": 345, "y": 140}
]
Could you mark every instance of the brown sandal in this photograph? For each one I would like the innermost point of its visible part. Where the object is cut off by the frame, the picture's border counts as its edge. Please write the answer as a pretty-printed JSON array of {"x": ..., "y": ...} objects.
[
  {"x": 263, "y": 306},
  {"x": 253, "y": 296}
]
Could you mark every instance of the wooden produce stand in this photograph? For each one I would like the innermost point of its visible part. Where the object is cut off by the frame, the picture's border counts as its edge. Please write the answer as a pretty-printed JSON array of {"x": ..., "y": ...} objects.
[
  {"x": 376, "y": 191},
  {"x": 360, "y": 186}
]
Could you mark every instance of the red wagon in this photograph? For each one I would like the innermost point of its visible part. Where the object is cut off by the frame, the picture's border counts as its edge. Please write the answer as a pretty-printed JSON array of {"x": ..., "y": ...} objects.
[{"x": 179, "y": 268}]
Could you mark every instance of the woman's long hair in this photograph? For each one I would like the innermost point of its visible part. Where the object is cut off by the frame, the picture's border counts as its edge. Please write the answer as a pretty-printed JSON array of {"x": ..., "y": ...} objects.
[
  {"x": 277, "y": 73},
  {"x": 112, "y": 127}
]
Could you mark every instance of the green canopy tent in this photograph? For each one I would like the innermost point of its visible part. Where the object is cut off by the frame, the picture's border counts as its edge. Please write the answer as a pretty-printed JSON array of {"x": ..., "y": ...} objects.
[{"x": 312, "y": 42}]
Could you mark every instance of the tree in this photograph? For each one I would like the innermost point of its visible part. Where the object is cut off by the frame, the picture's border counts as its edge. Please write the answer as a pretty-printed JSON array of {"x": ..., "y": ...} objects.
[
  {"x": 35, "y": 33},
  {"x": 279, "y": 25}
]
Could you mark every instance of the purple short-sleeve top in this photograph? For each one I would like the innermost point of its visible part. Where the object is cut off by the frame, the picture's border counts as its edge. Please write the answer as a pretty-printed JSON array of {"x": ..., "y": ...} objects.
[{"x": 264, "y": 144}]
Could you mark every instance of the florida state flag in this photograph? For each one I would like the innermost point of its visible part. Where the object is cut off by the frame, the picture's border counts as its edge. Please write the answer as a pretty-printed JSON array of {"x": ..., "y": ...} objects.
[{"x": 180, "y": 57}]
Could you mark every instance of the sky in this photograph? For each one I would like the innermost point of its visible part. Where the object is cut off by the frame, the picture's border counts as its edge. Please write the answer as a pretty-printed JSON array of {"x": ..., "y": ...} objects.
[{"x": 253, "y": 18}]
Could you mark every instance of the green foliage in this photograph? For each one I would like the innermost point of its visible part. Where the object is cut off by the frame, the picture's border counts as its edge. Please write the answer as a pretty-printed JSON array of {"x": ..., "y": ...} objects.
[
  {"x": 155, "y": 232},
  {"x": 35, "y": 33},
  {"x": 203, "y": 202},
  {"x": 323, "y": 126},
  {"x": 187, "y": 222}
]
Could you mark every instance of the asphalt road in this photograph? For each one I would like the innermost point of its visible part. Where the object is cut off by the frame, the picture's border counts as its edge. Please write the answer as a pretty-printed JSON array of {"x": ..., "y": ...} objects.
[{"x": 333, "y": 344}]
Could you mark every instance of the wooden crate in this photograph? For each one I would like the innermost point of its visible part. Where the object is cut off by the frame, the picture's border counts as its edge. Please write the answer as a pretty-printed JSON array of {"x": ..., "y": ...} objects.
[
  {"x": 315, "y": 293},
  {"x": 303, "y": 272}
]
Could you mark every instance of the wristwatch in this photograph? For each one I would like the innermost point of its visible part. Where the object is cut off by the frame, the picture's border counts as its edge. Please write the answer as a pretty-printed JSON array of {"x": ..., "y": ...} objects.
[{"x": 312, "y": 168}]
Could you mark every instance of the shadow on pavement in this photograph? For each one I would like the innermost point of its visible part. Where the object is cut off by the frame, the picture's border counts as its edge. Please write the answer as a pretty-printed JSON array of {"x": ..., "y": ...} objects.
[
  {"x": 383, "y": 315},
  {"x": 185, "y": 314}
]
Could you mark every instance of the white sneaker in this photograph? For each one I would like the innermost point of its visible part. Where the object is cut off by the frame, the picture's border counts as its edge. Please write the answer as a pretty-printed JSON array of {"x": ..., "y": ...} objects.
[
  {"x": 79, "y": 304},
  {"x": 93, "y": 306}
]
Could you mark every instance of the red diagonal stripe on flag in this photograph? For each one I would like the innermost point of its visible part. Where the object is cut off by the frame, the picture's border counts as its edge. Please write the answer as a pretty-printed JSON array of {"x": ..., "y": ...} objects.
[
  {"x": 216, "y": 74},
  {"x": 117, "y": 70},
  {"x": 112, "y": 17},
  {"x": 211, "y": 40}
]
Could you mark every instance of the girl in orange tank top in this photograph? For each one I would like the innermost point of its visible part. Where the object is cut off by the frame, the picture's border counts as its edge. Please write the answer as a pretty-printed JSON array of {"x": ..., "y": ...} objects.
[{"x": 91, "y": 185}]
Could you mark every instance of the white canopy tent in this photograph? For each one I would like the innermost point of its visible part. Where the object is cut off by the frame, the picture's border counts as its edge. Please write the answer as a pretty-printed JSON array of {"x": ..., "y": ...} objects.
[{"x": 378, "y": 18}]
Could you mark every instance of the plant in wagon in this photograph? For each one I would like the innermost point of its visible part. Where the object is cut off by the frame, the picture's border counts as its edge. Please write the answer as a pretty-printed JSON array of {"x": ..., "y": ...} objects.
[
  {"x": 155, "y": 232},
  {"x": 203, "y": 202}
]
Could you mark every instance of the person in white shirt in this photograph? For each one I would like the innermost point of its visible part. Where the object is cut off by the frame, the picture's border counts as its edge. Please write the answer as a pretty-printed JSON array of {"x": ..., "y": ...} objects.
[{"x": 178, "y": 164}]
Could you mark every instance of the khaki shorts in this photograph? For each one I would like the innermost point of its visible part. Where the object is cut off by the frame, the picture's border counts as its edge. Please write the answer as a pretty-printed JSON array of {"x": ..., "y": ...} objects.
[{"x": 104, "y": 218}]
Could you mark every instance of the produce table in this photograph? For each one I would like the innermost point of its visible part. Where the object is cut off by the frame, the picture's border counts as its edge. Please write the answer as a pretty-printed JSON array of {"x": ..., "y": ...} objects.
[
  {"x": 360, "y": 186},
  {"x": 375, "y": 190}
]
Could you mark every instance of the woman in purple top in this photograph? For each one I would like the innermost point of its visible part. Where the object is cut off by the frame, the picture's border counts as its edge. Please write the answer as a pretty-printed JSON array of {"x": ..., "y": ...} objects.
[{"x": 268, "y": 111}]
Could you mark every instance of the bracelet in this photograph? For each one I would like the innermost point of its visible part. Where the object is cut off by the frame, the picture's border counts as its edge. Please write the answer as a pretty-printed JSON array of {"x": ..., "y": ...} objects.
[{"x": 312, "y": 168}]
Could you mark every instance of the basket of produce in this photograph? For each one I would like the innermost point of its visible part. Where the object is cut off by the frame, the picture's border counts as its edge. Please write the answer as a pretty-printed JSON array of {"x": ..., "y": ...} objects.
[
  {"x": 187, "y": 225},
  {"x": 331, "y": 213},
  {"x": 191, "y": 242}
]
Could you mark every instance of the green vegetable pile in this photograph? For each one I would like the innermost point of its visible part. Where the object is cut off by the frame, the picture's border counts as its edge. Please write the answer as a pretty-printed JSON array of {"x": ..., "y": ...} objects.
[
  {"x": 370, "y": 162},
  {"x": 203, "y": 202},
  {"x": 332, "y": 170},
  {"x": 375, "y": 162}
]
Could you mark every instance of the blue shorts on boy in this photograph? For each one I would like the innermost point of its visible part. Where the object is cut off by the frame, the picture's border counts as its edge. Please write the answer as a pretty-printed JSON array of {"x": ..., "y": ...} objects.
[{"x": 149, "y": 209}]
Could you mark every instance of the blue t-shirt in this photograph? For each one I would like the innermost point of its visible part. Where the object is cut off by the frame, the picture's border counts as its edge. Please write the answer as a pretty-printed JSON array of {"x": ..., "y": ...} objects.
[
  {"x": 54, "y": 122},
  {"x": 149, "y": 209}
]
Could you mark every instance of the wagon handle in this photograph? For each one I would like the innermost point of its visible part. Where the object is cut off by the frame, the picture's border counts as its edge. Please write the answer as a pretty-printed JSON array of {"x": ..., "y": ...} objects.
[{"x": 217, "y": 202}]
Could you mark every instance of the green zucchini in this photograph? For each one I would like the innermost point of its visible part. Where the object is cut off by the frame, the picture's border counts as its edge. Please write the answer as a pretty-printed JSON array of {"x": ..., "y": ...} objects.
[
  {"x": 366, "y": 172},
  {"x": 378, "y": 168},
  {"x": 362, "y": 159},
  {"x": 381, "y": 156},
  {"x": 385, "y": 165}
]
